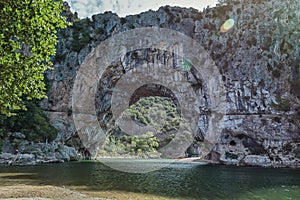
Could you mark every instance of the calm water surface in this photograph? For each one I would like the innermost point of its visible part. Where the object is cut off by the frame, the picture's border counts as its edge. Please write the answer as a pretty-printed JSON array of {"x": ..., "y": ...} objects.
[{"x": 176, "y": 181}]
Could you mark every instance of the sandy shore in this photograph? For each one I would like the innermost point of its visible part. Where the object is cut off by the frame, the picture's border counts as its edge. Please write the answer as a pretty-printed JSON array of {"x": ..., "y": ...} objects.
[
  {"x": 29, "y": 192},
  {"x": 26, "y": 192}
]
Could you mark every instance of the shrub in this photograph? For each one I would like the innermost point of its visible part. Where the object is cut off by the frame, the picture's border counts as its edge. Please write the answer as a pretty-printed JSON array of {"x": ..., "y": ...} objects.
[
  {"x": 152, "y": 110},
  {"x": 81, "y": 35},
  {"x": 133, "y": 145},
  {"x": 158, "y": 112},
  {"x": 231, "y": 155},
  {"x": 276, "y": 73},
  {"x": 295, "y": 87},
  {"x": 33, "y": 123},
  {"x": 297, "y": 152},
  {"x": 282, "y": 105},
  {"x": 1, "y": 144},
  {"x": 100, "y": 31}
]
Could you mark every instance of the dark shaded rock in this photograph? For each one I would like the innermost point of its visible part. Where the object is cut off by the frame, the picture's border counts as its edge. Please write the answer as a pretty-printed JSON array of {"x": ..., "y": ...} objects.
[
  {"x": 258, "y": 60},
  {"x": 18, "y": 135},
  {"x": 37, "y": 153},
  {"x": 256, "y": 160},
  {"x": 254, "y": 147}
]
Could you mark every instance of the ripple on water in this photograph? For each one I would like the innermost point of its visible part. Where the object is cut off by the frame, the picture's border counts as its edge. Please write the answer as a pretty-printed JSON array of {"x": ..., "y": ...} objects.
[{"x": 176, "y": 181}]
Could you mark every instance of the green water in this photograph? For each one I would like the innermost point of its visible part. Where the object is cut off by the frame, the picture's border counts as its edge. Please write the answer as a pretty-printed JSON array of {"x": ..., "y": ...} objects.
[{"x": 176, "y": 181}]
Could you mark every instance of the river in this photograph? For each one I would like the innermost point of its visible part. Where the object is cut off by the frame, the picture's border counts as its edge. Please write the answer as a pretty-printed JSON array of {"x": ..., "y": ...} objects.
[{"x": 175, "y": 181}]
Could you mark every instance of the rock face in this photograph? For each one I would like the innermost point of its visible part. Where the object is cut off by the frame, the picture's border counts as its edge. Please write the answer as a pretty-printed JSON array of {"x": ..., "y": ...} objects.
[
  {"x": 18, "y": 151},
  {"x": 258, "y": 60}
]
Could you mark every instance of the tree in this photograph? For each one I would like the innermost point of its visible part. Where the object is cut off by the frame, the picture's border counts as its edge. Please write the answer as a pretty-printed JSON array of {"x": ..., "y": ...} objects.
[
  {"x": 27, "y": 42},
  {"x": 33, "y": 123},
  {"x": 228, "y": 2}
]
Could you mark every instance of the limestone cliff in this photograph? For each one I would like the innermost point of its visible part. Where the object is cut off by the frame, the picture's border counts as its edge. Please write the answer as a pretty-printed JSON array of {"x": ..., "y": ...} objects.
[{"x": 258, "y": 59}]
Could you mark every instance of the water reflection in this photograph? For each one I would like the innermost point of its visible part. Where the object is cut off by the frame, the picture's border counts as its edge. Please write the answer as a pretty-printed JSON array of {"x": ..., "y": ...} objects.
[{"x": 180, "y": 180}]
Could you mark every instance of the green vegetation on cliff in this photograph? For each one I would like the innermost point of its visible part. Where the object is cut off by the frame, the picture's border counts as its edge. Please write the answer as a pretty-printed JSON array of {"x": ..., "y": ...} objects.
[
  {"x": 152, "y": 111},
  {"x": 155, "y": 110},
  {"x": 32, "y": 123},
  {"x": 130, "y": 145},
  {"x": 81, "y": 36}
]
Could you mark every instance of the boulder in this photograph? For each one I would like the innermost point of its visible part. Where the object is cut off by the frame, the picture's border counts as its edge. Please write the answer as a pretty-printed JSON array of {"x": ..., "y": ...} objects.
[
  {"x": 36, "y": 153},
  {"x": 71, "y": 152},
  {"x": 62, "y": 155},
  {"x": 18, "y": 135},
  {"x": 23, "y": 159},
  {"x": 257, "y": 160}
]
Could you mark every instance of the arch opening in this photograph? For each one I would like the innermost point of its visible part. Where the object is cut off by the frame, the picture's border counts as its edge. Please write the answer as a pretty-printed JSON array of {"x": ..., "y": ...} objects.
[{"x": 149, "y": 90}]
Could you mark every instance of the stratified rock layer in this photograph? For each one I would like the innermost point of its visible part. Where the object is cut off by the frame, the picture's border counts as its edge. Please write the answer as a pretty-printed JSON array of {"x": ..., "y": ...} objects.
[{"x": 258, "y": 59}]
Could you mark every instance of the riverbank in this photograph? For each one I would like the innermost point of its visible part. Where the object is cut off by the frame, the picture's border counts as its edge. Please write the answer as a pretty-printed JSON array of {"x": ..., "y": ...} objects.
[
  {"x": 38, "y": 153},
  {"x": 185, "y": 181},
  {"x": 8, "y": 159},
  {"x": 24, "y": 192}
]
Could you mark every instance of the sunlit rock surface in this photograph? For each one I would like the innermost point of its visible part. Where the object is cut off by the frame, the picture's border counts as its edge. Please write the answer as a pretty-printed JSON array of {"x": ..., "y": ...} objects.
[{"x": 257, "y": 56}]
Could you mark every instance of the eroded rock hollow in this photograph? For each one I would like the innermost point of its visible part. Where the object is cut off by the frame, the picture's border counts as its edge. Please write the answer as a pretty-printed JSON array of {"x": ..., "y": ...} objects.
[{"x": 258, "y": 59}]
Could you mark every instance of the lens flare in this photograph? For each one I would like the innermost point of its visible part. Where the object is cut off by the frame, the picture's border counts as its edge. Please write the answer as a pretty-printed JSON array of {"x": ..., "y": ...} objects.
[
  {"x": 187, "y": 65},
  {"x": 228, "y": 24}
]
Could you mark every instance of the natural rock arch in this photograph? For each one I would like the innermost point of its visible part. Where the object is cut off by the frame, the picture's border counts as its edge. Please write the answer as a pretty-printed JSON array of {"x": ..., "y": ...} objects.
[
  {"x": 148, "y": 90},
  {"x": 176, "y": 78}
]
